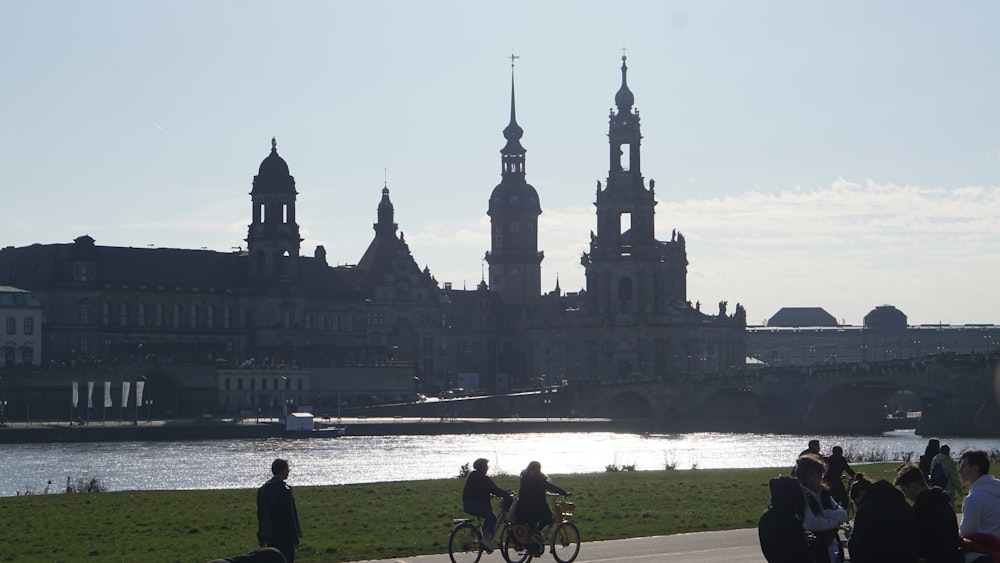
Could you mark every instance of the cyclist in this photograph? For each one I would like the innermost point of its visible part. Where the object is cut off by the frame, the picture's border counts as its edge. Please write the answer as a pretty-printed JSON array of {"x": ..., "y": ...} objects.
[
  {"x": 531, "y": 507},
  {"x": 477, "y": 497}
]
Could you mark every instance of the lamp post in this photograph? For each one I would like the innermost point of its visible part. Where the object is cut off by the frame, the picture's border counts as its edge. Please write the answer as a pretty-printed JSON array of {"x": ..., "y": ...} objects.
[
  {"x": 284, "y": 401},
  {"x": 149, "y": 411}
]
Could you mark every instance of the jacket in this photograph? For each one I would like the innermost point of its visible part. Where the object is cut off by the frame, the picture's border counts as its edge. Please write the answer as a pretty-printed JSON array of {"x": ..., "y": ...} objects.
[
  {"x": 939, "y": 539},
  {"x": 885, "y": 527},
  {"x": 981, "y": 508},
  {"x": 277, "y": 517},
  {"x": 480, "y": 488},
  {"x": 954, "y": 485}
]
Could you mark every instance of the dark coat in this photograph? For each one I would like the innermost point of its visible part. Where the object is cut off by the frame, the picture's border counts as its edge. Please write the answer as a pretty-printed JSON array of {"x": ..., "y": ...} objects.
[
  {"x": 531, "y": 505},
  {"x": 782, "y": 539},
  {"x": 885, "y": 527},
  {"x": 480, "y": 488},
  {"x": 939, "y": 539},
  {"x": 277, "y": 517}
]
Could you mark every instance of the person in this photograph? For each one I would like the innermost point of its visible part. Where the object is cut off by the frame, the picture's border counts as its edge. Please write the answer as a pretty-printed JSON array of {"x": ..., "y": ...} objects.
[
  {"x": 263, "y": 555},
  {"x": 944, "y": 474},
  {"x": 782, "y": 538},
  {"x": 885, "y": 527},
  {"x": 531, "y": 507},
  {"x": 822, "y": 515},
  {"x": 980, "y": 525},
  {"x": 933, "y": 448},
  {"x": 277, "y": 517},
  {"x": 836, "y": 466},
  {"x": 935, "y": 512},
  {"x": 812, "y": 448},
  {"x": 477, "y": 496}
]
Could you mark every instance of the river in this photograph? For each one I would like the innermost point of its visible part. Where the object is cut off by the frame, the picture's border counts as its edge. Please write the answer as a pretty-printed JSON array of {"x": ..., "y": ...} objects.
[{"x": 228, "y": 464}]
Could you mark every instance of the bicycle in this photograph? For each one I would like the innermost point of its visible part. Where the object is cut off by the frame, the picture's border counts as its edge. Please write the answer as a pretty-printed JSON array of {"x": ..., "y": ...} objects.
[
  {"x": 520, "y": 543},
  {"x": 464, "y": 542}
]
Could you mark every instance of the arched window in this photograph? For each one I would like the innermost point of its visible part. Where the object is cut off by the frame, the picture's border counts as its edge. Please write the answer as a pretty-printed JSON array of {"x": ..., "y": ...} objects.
[{"x": 140, "y": 315}]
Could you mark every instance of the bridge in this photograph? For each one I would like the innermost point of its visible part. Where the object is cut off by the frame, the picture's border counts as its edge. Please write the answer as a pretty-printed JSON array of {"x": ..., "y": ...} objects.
[{"x": 957, "y": 394}]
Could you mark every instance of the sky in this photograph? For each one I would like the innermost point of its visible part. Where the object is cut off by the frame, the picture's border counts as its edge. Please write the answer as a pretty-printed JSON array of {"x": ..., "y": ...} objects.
[{"x": 841, "y": 155}]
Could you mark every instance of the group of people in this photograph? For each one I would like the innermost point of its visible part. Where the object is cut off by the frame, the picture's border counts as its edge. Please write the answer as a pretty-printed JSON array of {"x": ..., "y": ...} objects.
[
  {"x": 529, "y": 508},
  {"x": 808, "y": 509}
]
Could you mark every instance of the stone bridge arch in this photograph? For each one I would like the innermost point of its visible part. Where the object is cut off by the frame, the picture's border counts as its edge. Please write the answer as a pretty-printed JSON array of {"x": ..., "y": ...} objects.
[{"x": 628, "y": 404}]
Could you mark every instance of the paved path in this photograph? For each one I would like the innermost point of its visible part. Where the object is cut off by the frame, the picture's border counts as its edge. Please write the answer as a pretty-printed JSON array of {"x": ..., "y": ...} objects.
[{"x": 731, "y": 546}]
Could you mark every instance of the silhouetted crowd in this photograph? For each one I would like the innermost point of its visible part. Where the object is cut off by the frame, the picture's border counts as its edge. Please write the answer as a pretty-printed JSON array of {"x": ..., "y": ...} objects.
[{"x": 908, "y": 521}]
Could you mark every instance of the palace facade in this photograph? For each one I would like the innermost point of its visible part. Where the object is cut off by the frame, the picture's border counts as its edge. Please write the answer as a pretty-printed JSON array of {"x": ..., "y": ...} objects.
[{"x": 272, "y": 306}]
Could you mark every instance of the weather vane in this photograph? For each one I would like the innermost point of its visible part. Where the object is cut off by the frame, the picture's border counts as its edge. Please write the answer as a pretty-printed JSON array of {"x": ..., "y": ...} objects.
[{"x": 513, "y": 58}]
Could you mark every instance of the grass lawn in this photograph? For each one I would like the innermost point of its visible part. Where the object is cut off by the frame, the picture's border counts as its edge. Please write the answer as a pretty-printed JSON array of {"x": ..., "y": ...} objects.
[{"x": 368, "y": 521}]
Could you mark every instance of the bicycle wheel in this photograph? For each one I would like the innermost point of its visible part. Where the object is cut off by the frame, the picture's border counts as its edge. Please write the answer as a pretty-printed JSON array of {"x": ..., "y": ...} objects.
[
  {"x": 565, "y": 542},
  {"x": 511, "y": 550},
  {"x": 463, "y": 544}
]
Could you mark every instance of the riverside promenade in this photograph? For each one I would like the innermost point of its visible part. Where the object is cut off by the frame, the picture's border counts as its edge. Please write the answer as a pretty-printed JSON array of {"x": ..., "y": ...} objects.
[
  {"x": 250, "y": 428},
  {"x": 732, "y": 546}
]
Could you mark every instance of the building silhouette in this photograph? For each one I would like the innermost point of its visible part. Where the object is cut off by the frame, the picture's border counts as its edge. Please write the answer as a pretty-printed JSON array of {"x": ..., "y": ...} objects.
[{"x": 271, "y": 306}]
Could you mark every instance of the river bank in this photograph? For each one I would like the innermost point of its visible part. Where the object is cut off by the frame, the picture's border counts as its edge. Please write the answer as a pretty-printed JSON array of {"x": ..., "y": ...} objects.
[{"x": 230, "y": 429}]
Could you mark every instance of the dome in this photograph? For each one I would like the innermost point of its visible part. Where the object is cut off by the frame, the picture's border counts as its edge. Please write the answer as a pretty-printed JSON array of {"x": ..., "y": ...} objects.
[
  {"x": 273, "y": 166},
  {"x": 885, "y": 317},
  {"x": 514, "y": 197}
]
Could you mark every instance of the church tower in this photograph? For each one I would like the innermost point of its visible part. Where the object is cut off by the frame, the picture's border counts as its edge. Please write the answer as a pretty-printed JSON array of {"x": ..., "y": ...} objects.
[
  {"x": 514, "y": 259},
  {"x": 273, "y": 240},
  {"x": 628, "y": 270}
]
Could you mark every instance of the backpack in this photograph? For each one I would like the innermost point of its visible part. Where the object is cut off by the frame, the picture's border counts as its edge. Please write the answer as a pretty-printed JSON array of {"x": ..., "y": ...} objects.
[{"x": 938, "y": 477}]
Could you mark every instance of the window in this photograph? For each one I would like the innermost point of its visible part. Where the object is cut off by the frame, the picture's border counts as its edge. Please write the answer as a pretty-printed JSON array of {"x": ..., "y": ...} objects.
[
  {"x": 158, "y": 320},
  {"x": 84, "y": 346},
  {"x": 428, "y": 344},
  {"x": 123, "y": 314},
  {"x": 8, "y": 355},
  {"x": 348, "y": 323},
  {"x": 210, "y": 317},
  {"x": 11, "y": 325},
  {"x": 27, "y": 356},
  {"x": 176, "y": 321},
  {"x": 227, "y": 317},
  {"x": 286, "y": 319},
  {"x": 84, "y": 311},
  {"x": 29, "y": 325},
  {"x": 105, "y": 314},
  {"x": 307, "y": 320},
  {"x": 322, "y": 321},
  {"x": 140, "y": 315},
  {"x": 194, "y": 316}
]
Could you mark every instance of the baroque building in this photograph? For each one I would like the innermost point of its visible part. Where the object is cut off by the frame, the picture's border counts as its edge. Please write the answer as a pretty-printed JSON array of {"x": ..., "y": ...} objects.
[{"x": 383, "y": 328}]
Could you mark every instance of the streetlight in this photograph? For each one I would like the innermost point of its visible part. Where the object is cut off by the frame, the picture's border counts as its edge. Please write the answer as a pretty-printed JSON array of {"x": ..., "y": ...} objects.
[{"x": 149, "y": 411}]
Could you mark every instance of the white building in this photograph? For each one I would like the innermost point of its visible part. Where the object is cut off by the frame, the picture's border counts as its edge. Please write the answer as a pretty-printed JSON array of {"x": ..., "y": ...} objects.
[{"x": 21, "y": 338}]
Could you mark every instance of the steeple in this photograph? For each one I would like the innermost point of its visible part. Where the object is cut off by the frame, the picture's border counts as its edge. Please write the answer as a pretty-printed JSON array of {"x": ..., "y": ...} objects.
[
  {"x": 385, "y": 225},
  {"x": 624, "y": 98},
  {"x": 512, "y": 160},
  {"x": 514, "y": 259}
]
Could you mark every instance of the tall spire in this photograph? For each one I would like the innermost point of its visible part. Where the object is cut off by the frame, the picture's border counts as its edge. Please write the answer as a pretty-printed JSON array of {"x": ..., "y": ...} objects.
[
  {"x": 385, "y": 225},
  {"x": 624, "y": 98},
  {"x": 513, "y": 152}
]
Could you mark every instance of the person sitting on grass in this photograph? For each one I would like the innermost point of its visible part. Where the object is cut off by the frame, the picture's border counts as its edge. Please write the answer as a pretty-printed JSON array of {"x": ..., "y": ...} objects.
[
  {"x": 782, "y": 538},
  {"x": 885, "y": 527},
  {"x": 822, "y": 514},
  {"x": 477, "y": 499},
  {"x": 939, "y": 539}
]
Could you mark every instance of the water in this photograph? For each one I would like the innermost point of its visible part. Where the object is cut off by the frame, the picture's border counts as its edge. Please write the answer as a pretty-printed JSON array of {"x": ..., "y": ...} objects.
[{"x": 229, "y": 464}]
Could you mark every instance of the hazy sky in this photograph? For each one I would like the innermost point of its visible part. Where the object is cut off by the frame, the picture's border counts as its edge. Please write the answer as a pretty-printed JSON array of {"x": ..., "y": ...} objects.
[{"x": 836, "y": 154}]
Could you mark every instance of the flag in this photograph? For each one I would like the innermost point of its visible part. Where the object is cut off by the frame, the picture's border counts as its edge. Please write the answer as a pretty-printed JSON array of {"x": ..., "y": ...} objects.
[
  {"x": 107, "y": 394},
  {"x": 76, "y": 394},
  {"x": 138, "y": 392},
  {"x": 126, "y": 385},
  {"x": 90, "y": 395}
]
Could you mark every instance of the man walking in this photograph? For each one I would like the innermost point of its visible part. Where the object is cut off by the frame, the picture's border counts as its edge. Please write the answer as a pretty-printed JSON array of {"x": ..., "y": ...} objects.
[{"x": 277, "y": 518}]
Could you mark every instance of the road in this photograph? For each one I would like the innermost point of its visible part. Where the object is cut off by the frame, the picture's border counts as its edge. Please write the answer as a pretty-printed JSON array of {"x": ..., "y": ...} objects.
[{"x": 732, "y": 546}]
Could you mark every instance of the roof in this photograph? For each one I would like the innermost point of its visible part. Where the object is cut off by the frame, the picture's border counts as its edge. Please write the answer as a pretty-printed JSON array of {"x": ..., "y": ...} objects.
[{"x": 802, "y": 316}]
